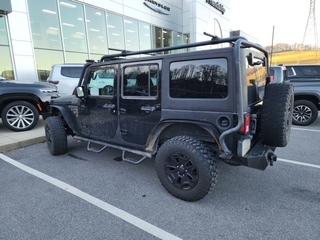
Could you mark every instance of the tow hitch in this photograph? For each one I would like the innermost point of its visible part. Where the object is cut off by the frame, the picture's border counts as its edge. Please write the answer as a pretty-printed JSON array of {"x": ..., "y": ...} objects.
[{"x": 272, "y": 158}]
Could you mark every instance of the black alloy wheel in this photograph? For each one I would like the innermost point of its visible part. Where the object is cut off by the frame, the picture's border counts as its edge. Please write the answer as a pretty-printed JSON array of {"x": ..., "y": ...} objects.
[
  {"x": 186, "y": 168},
  {"x": 304, "y": 113}
]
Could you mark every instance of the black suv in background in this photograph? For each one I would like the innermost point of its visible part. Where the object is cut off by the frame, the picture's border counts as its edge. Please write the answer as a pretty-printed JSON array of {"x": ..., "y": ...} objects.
[
  {"x": 21, "y": 103},
  {"x": 184, "y": 109}
]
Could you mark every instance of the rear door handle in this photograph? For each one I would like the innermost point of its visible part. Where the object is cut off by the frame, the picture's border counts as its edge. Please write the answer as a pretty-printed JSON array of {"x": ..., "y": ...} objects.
[{"x": 148, "y": 108}]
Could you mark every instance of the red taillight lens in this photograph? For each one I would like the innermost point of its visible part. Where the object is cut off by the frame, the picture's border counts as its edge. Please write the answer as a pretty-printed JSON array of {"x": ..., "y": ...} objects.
[
  {"x": 54, "y": 81},
  {"x": 245, "y": 128},
  {"x": 271, "y": 78}
]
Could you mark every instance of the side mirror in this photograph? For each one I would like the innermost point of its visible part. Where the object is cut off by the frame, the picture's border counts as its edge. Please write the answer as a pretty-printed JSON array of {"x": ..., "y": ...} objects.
[
  {"x": 250, "y": 59},
  {"x": 79, "y": 92}
]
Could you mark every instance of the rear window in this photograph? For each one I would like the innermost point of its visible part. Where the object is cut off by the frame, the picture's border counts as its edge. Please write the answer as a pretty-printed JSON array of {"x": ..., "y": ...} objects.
[{"x": 71, "y": 72}]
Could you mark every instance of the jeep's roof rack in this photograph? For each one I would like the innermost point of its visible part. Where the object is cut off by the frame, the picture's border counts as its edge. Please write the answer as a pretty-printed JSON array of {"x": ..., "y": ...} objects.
[{"x": 214, "y": 40}]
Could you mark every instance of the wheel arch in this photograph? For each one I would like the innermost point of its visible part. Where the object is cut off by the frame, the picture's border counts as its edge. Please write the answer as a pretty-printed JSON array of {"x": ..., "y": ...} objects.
[
  {"x": 168, "y": 129},
  {"x": 68, "y": 118},
  {"x": 315, "y": 99},
  {"x": 6, "y": 99}
]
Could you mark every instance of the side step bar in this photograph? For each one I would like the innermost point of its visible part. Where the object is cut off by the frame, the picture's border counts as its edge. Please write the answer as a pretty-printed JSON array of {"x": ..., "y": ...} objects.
[{"x": 104, "y": 145}]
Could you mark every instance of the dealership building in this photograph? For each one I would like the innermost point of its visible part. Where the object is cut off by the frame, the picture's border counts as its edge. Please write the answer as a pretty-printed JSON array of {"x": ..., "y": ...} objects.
[{"x": 35, "y": 34}]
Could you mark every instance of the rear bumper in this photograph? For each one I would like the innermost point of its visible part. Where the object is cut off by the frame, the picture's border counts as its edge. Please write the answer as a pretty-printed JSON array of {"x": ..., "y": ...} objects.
[{"x": 258, "y": 157}]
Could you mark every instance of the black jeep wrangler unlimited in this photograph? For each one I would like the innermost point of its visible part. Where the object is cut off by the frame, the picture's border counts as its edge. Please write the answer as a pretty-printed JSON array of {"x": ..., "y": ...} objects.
[{"x": 186, "y": 109}]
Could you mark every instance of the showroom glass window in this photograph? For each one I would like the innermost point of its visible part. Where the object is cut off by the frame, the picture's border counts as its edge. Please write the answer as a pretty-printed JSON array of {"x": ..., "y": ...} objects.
[
  {"x": 6, "y": 70},
  {"x": 157, "y": 37},
  {"x": 162, "y": 38},
  {"x": 46, "y": 35},
  {"x": 167, "y": 39},
  {"x": 97, "y": 33},
  {"x": 144, "y": 35},
  {"x": 44, "y": 21},
  {"x": 115, "y": 32},
  {"x": 132, "y": 34},
  {"x": 72, "y": 23}
]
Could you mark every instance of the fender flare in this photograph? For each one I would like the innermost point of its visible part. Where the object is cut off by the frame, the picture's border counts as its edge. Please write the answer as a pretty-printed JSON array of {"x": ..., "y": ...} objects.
[{"x": 156, "y": 132}]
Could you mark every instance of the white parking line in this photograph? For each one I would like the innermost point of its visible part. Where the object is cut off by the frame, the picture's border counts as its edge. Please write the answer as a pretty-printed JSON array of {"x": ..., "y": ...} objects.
[
  {"x": 305, "y": 129},
  {"x": 143, "y": 225},
  {"x": 298, "y": 163}
]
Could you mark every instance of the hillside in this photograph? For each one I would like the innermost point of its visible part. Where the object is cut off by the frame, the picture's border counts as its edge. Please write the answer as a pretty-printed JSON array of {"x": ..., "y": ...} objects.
[{"x": 295, "y": 57}]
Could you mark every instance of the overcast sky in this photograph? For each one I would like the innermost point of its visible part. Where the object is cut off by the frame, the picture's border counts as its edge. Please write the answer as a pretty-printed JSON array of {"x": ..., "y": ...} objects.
[{"x": 288, "y": 18}]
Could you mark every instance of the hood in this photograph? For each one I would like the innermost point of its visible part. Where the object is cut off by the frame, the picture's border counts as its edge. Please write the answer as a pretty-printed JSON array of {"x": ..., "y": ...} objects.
[{"x": 12, "y": 83}]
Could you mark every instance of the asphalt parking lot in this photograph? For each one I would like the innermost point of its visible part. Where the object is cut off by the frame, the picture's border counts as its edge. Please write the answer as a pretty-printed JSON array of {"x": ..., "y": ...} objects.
[{"x": 85, "y": 195}]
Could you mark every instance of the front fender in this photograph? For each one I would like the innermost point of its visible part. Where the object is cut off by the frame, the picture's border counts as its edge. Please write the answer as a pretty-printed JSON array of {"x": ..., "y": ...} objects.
[{"x": 67, "y": 115}]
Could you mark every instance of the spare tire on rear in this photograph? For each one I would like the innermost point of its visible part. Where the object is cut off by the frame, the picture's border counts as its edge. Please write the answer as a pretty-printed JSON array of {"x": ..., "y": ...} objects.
[{"x": 276, "y": 114}]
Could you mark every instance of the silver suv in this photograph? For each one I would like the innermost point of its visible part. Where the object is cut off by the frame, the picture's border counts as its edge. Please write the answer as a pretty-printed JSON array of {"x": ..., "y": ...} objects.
[{"x": 65, "y": 76}]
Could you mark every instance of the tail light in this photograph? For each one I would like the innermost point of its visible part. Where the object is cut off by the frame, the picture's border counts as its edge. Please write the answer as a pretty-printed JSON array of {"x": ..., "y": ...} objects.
[
  {"x": 54, "y": 81},
  {"x": 245, "y": 128},
  {"x": 270, "y": 78}
]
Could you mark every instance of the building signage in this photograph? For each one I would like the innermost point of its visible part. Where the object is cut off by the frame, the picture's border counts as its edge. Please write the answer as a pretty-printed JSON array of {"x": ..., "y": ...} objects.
[
  {"x": 157, "y": 7},
  {"x": 216, "y": 5}
]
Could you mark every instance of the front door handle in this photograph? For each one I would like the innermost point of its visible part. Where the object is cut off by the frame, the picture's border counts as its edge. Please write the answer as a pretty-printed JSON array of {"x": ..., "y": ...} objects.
[{"x": 109, "y": 106}]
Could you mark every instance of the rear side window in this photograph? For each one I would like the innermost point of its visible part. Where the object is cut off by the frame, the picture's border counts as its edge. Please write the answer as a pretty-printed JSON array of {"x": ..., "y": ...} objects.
[
  {"x": 140, "y": 81},
  {"x": 204, "y": 78},
  {"x": 71, "y": 72}
]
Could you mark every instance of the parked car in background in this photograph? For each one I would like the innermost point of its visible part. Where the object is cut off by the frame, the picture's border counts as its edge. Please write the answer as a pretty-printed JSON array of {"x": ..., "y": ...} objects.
[
  {"x": 279, "y": 74},
  {"x": 65, "y": 76},
  {"x": 303, "y": 71},
  {"x": 21, "y": 103},
  {"x": 306, "y": 82}
]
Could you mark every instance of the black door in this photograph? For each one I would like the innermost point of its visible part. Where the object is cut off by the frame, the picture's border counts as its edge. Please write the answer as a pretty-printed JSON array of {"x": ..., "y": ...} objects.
[
  {"x": 140, "y": 108},
  {"x": 98, "y": 112}
]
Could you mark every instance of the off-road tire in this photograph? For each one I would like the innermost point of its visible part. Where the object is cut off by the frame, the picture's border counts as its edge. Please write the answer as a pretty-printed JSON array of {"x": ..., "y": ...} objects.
[
  {"x": 56, "y": 135},
  {"x": 304, "y": 113},
  {"x": 276, "y": 114},
  {"x": 20, "y": 116},
  {"x": 186, "y": 168}
]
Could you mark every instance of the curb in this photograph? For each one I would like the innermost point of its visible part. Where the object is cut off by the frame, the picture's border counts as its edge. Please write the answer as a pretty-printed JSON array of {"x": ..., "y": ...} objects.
[{"x": 22, "y": 144}]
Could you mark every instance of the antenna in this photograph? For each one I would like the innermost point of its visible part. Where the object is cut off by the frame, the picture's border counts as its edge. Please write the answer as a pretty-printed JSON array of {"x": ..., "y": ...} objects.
[{"x": 311, "y": 27}]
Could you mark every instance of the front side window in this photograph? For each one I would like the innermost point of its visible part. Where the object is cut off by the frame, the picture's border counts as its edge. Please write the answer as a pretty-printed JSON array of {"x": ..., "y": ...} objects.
[
  {"x": 140, "y": 81},
  {"x": 205, "y": 78},
  {"x": 101, "y": 82}
]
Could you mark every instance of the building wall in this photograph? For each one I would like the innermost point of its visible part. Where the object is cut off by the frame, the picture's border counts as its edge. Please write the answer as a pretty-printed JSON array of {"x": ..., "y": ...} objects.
[
  {"x": 21, "y": 42},
  {"x": 192, "y": 17}
]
